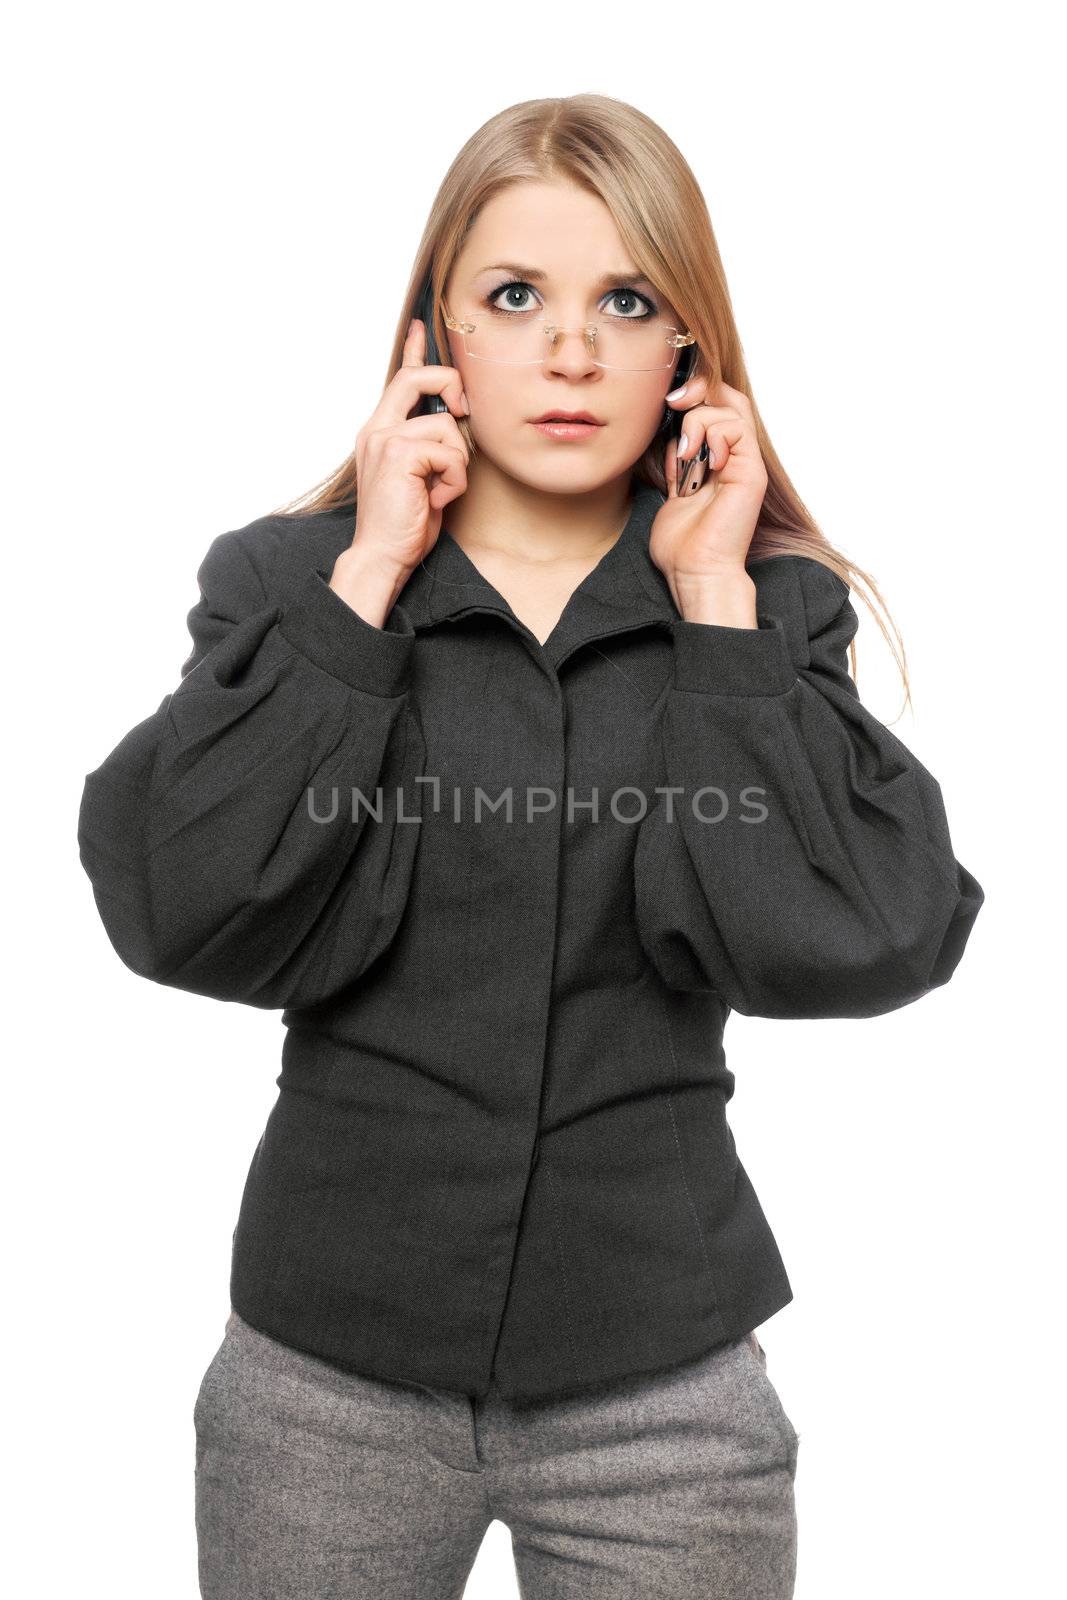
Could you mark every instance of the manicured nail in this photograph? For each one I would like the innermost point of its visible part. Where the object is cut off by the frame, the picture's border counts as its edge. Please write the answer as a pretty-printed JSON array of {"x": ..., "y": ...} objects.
[
  {"x": 676, "y": 394},
  {"x": 683, "y": 443}
]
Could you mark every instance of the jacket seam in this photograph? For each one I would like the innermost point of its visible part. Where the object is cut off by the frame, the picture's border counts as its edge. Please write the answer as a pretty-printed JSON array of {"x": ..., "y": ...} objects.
[
  {"x": 678, "y": 1148},
  {"x": 575, "y": 1368},
  {"x": 685, "y": 1183}
]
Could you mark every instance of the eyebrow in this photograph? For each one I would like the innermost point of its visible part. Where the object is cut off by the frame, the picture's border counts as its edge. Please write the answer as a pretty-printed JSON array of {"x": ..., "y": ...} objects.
[{"x": 537, "y": 275}]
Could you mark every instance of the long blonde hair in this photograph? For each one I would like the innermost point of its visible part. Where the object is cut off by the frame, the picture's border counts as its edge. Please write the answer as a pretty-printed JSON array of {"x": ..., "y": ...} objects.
[{"x": 615, "y": 152}]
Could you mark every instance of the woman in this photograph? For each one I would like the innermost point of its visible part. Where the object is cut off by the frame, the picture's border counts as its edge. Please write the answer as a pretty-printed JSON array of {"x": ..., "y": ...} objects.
[{"x": 507, "y": 815}]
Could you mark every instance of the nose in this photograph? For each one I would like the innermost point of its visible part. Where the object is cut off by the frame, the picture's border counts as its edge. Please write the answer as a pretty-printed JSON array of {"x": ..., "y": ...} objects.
[{"x": 568, "y": 354}]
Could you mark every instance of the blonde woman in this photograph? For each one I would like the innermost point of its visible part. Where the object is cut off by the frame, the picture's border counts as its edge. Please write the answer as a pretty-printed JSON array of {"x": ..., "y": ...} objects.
[{"x": 506, "y": 771}]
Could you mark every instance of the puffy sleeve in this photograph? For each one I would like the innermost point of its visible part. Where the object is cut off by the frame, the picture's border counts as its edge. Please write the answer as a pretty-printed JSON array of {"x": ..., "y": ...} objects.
[
  {"x": 228, "y": 852},
  {"x": 798, "y": 858}
]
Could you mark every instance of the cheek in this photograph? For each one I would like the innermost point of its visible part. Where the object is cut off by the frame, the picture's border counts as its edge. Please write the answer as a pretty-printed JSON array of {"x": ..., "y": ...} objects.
[
  {"x": 482, "y": 380},
  {"x": 654, "y": 397},
  {"x": 496, "y": 402},
  {"x": 644, "y": 412}
]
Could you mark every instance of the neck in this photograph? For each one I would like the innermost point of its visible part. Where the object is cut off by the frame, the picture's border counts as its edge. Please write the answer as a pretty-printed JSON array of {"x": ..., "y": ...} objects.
[{"x": 529, "y": 524}]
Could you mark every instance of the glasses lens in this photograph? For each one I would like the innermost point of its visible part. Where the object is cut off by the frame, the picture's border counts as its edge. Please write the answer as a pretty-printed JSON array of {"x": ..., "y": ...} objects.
[
  {"x": 634, "y": 344},
  {"x": 628, "y": 344}
]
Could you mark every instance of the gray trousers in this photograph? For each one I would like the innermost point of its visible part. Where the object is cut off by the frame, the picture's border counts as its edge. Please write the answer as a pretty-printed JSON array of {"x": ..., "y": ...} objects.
[{"x": 313, "y": 1483}]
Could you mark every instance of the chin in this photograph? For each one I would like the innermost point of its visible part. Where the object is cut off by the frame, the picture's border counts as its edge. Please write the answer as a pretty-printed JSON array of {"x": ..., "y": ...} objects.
[{"x": 563, "y": 477}]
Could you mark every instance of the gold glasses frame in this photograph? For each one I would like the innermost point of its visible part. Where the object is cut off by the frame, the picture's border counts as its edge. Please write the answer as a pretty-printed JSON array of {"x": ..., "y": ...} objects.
[{"x": 675, "y": 341}]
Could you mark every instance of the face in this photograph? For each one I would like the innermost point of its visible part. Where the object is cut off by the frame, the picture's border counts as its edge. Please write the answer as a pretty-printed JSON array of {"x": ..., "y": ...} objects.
[{"x": 568, "y": 238}]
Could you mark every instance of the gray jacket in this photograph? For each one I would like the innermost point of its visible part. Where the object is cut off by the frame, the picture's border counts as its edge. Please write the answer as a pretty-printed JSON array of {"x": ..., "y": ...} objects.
[{"x": 506, "y": 896}]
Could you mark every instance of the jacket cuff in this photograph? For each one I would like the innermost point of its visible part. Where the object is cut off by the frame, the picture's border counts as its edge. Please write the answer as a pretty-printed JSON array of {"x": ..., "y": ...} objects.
[
  {"x": 710, "y": 658},
  {"x": 336, "y": 638}
]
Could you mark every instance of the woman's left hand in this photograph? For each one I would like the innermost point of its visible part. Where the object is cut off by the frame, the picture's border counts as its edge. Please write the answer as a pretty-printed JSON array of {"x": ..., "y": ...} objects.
[{"x": 706, "y": 535}]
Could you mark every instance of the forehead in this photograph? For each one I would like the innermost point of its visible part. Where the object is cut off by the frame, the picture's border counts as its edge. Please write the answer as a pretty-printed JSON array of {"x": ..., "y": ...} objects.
[{"x": 557, "y": 232}]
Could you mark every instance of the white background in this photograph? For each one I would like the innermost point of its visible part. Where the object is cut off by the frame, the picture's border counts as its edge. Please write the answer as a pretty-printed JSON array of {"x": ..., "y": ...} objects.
[{"x": 212, "y": 212}]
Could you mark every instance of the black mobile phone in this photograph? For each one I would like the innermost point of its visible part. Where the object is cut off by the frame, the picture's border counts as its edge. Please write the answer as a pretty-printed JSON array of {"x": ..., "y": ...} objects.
[
  {"x": 429, "y": 404},
  {"x": 695, "y": 470}
]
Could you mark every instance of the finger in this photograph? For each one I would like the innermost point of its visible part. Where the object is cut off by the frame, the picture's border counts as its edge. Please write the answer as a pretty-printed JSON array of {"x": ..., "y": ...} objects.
[
  {"x": 737, "y": 398},
  {"x": 721, "y": 435},
  {"x": 435, "y": 425},
  {"x": 721, "y": 393},
  {"x": 714, "y": 413},
  {"x": 414, "y": 351},
  {"x": 690, "y": 394},
  {"x": 699, "y": 391},
  {"x": 721, "y": 439},
  {"x": 431, "y": 456},
  {"x": 699, "y": 420},
  {"x": 693, "y": 392},
  {"x": 414, "y": 378}
]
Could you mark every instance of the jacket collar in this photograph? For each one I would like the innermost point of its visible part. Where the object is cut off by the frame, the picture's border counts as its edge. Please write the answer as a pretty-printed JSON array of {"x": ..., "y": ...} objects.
[{"x": 625, "y": 590}]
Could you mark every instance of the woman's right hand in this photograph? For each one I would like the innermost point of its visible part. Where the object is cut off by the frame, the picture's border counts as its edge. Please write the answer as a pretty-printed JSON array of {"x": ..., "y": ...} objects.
[{"x": 409, "y": 468}]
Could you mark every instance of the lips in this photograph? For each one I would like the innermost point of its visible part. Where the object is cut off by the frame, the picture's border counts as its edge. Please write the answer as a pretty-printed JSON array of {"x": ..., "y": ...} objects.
[{"x": 569, "y": 416}]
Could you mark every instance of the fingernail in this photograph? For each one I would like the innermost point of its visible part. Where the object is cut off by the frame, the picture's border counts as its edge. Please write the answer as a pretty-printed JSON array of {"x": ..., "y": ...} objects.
[
  {"x": 676, "y": 394},
  {"x": 683, "y": 443}
]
